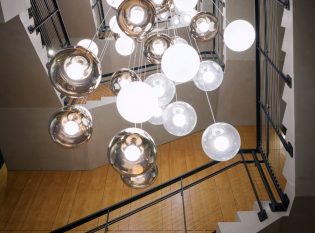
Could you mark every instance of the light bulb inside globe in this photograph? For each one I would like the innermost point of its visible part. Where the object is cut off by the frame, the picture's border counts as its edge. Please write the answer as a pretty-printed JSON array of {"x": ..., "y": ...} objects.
[
  {"x": 221, "y": 143},
  {"x": 158, "y": 47},
  {"x": 90, "y": 45},
  {"x": 71, "y": 128},
  {"x": 208, "y": 77},
  {"x": 132, "y": 153},
  {"x": 203, "y": 26},
  {"x": 158, "y": 2},
  {"x": 75, "y": 67},
  {"x": 179, "y": 120},
  {"x": 137, "y": 14}
]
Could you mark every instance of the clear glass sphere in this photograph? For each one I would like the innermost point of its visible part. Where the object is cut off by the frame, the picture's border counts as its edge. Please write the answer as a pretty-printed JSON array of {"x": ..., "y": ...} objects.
[
  {"x": 180, "y": 63},
  {"x": 185, "y": 5},
  {"x": 221, "y": 141},
  {"x": 179, "y": 118},
  {"x": 125, "y": 45},
  {"x": 239, "y": 35},
  {"x": 71, "y": 126},
  {"x": 162, "y": 87},
  {"x": 157, "y": 118},
  {"x": 204, "y": 26},
  {"x": 114, "y": 3},
  {"x": 122, "y": 78},
  {"x": 141, "y": 181},
  {"x": 175, "y": 20},
  {"x": 164, "y": 15},
  {"x": 75, "y": 71},
  {"x": 209, "y": 76},
  {"x": 132, "y": 151},
  {"x": 137, "y": 102},
  {"x": 90, "y": 45}
]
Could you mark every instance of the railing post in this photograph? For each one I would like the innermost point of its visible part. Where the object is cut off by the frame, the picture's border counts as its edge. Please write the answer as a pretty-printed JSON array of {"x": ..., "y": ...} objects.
[{"x": 183, "y": 203}]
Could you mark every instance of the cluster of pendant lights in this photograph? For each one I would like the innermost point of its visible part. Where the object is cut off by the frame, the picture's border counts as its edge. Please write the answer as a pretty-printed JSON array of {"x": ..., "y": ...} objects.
[{"x": 76, "y": 72}]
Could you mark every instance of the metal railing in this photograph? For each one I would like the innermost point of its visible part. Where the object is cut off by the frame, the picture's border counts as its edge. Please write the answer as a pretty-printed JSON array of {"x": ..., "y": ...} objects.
[{"x": 49, "y": 23}]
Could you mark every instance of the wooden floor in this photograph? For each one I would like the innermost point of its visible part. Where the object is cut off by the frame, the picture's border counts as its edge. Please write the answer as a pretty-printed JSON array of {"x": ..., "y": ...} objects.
[{"x": 35, "y": 201}]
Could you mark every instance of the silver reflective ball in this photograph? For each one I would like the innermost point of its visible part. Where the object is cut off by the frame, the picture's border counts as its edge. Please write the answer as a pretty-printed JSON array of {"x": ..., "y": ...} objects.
[
  {"x": 75, "y": 71},
  {"x": 204, "y": 26},
  {"x": 141, "y": 181},
  {"x": 132, "y": 151},
  {"x": 121, "y": 78},
  {"x": 71, "y": 126},
  {"x": 136, "y": 17},
  {"x": 154, "y": 47}
]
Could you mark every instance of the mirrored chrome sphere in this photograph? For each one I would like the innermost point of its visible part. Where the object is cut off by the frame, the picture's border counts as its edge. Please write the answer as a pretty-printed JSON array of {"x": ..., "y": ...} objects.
[
  {"x": 132, "y": 151},
  {"x": 121, "y": 78},
  {"x": 136, "y": 17},
  {"x": 71, "y": 126},
  {"x": 154, "y": 47},
  {"x": 157, "y": 118},
  {"x": 75, "y": 71},
  {"x": 161, "y": 6},
  {"x": 142, "y": 181},
  {"x": 204, "y": 26},
  {"x": 163, "y": 88},
  {"x": 221, "y": 141},
  {"x": 179, "y": 118},
  {"x": 209, "y": 76}
]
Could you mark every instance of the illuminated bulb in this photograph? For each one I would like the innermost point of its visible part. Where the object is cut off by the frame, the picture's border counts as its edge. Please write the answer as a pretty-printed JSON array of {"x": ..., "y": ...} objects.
[
  {"x": 158, "y": 47},
  {"x": 221, "y": 143},
  {"x": 132, "y": 153},
  {"x": 125, "y": 45},
  {"x": 203, "y": 26},
  {"x": 113, "y": 25},
  {"x": 209, "y": 77},
  {"x": 114, "y": 3},
  {"x": 175, "y": 20},
  {"x": 71, "y": 128},
  {"x": 136, "y": 15},
  {"x": 159, "y": 90},
  {"x": 179, "y": 120},
  {"x": 158, "y": 2},
  {"x": 75, "y": 71},
  {"x": 164, "y": 15},
  {"x": 51, "y": 52},
  {"x": 157, "y": 116}
]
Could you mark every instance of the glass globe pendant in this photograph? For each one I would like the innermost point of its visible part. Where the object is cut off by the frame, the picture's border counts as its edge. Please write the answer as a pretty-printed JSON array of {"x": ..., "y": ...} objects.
[
  {"x": 137, "y": 102},
  {"x": 179, "y": 118},
  {"x": 178, "y": 40},
  {"x": 186, "y": 17},
  {"x": 209, "y": 76},
  {"x": 136, "y": 17},
  {"x": 75, "y": 71},
  {"x": 125, "y": 45},
  {"x": 221, "y": 141},
  {"x": 239, "y": 35},
  {"x": 132, "y": 152},
  {"x": 154, "y": 47},
  {"x": 114, "y": 3},
  {"x": 141, "y": 181},
  {"x": 71, "y": 126},
  {"x": 122, "y": 78},
  {"x": 180, "y": 63},
  {"x": 203, "y": 26},
  {"x": 162, "y": 87},
  {"x": 185, "y": 5},
  {"x": 113, "y": 25}
]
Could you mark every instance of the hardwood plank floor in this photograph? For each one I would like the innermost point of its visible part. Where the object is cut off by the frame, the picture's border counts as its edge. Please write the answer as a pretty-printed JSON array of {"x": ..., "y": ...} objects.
[{"x": 34, "y": 201}]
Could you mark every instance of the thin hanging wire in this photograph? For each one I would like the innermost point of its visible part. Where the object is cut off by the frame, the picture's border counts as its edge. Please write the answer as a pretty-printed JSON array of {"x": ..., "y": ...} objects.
[
  {"x": 225, "y": 18},
  {"x": 106, "y": 44}
]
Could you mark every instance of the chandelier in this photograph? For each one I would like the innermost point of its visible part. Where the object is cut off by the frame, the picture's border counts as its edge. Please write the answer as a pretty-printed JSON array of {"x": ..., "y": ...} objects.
[{"x": 76, "y": 72}]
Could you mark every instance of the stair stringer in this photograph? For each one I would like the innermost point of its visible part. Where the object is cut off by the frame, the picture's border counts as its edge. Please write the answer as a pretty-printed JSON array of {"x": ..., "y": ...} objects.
[{"x": 247, "y": 221}]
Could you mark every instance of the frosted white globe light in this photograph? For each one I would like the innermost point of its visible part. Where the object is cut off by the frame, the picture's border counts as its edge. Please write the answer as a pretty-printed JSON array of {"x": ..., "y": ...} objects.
[
  {"x": 221, "y": 141},
  {"x": 209, "y": 76},
  {"x": 137, "y": 102},
  {"x": 162, "y": 87},
  {"x": 125, "y": 45},
  {"x": 180, "y": 63},
  {"x": 114, "y": 3},
  {"x": 239, "y": 35},
  {"x": 179, "y": 118},
  {"x": 113, "y": 25},
  {"x": 157, "y": 118},
  {"x": 185, "y": 5},
  {"x": 178, "y": 40},
  {"x": 90, "y": 45}
]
